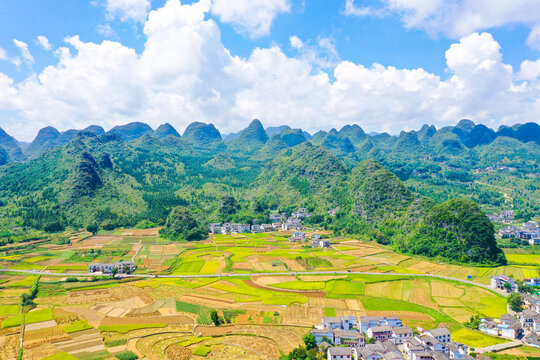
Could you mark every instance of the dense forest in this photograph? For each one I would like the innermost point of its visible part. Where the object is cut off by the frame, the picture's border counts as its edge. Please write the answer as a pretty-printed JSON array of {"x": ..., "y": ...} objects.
[{"x": 423, "y": 192}]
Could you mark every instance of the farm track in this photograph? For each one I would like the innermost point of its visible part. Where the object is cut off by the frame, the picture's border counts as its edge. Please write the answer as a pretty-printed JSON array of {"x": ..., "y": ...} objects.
[{"x": 487, "y": 287}]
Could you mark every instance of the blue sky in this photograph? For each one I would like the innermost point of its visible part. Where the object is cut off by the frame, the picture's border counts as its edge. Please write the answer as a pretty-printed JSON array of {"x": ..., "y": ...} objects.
[{"x": 237, "y": 39}]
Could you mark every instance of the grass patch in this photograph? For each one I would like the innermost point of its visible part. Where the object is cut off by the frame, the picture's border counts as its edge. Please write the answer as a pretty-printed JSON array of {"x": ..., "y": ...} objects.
[
  {"x": 115, "y": 342},
  {"x": 75, "y": 326},
  {"x": 475, "y": 338},
  {"x": 30, "y": 318},
  {"x": 6, "y": 310},
  {"x": 385, "y": 304},
  {"x": 123, "y": 329},
  {"x": 194, "y": 341},
  {"x": 203, "y": 312},
  {"x": 329, "y": 311},
  {"x": 202, "y": 351},
  {"x": 60, "y": 356},
  {"x": 25, "y": 283},
  {"x": 126, "y": 355},
  {"x": 336, "y": 288}
]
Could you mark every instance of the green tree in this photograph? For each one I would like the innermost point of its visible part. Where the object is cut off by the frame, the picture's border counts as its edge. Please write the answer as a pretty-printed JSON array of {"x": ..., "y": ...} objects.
[
  {"x": 182, "y": 225},
  {"x": 92, "y": 228},
  {"x": 114, "y": 272},
  {"x": 215, "y": 318},
  {"x": 310, "y": 341},
  {"x": 515, "y": 302},
  {"x": 228, "y": 205}
]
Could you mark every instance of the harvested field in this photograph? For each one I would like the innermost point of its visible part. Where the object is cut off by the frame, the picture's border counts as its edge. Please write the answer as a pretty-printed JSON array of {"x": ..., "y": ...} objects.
[
  {"x": 293, "y": 265},
  {"x": 40, "y": 325},
  {"x": 87, "y": 341},
  {"x": 176, "y": 319},
  {"x": 175, "y": 352},
  {"x": 242, "y": 266},
  {"x": 353, "y": 304},
  {"x": 261, "y": 346},
  {"x": 9, "y": 345},
  {"x": 267, "y": 280},
  {"x": 93, "y": 317},
  {"x": 37, "y": 337}
]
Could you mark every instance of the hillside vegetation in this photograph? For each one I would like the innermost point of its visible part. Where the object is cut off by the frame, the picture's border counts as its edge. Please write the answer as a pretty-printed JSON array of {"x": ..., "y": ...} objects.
[{"x": 380, "y": 187}]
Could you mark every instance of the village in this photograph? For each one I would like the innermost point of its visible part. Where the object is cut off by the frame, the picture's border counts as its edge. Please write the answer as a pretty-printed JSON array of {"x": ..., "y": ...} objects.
[
  {"x": 529, "y": 232},
  {"x": 376, "y": 337}
]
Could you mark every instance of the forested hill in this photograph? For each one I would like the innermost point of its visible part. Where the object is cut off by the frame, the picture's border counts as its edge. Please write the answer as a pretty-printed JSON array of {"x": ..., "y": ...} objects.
[{"x": 382, "y": 187}]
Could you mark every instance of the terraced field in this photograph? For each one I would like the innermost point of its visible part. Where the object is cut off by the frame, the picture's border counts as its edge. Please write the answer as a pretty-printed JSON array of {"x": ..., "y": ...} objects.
[{"x": 169, "y": 317}]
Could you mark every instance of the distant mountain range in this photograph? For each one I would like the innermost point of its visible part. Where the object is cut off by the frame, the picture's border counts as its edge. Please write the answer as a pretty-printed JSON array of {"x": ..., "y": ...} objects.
[{"x": 347, "y": 141}]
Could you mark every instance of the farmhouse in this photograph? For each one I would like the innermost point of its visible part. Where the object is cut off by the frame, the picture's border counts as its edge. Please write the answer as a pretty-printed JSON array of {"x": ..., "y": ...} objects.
[
  {"x": 320, "y": 243},
  {"x": 349, "y": 338},
  {"x": 342, "y": 353},
  {"x": 339, "y": 322},
  {"x": 383, "y": 332},
  {"x": 298, "y": 236},
  {"x": 399, "y": 334},
  {"x": 528, "y": 318},
  {"x": 499, "y": 281},
  {"x": 441, "y": 334},
  {"x": 370, "y": 321},
  {"x": 123, "y": 267}
]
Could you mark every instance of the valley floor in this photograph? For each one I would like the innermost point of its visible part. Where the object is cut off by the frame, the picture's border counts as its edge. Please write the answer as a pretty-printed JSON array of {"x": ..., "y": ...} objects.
[{"x": 169, "y": 317}]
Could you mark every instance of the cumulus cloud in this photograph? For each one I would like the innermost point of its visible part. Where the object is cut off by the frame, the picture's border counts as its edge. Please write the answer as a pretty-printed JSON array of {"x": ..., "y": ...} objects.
[
  {"x": 185, "y": 74},
  {"x": 127, "y": 10},
  {"x": 252, "y": 17},
  {"x": 43, "y": 42},
  {"x": 25, "y": 52}
]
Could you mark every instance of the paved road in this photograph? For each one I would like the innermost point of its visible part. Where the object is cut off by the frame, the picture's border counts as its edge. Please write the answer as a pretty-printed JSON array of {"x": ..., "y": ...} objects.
[
  {"x": 499, "y": 347},
  {"x": 338, "y": 272}
]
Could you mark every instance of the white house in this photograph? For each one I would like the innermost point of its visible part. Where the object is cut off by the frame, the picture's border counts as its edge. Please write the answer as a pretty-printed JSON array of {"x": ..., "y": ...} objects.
[
  {"x": 399, "y": 334},
  {"x": 441, "y": 334},
  {"x": 381, "y": 333},
  {"x": 341, "y": 353}
]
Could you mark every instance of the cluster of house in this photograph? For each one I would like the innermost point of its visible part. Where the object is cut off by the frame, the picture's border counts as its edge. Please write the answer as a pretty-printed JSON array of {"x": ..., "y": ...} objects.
[
  {"x": 493, "y": 168},
  {"x": 514, "y": 327},
  {"x": 122, "y": 267},
  {"x": 530, "y": 231},
  {"x": 345, "y": 338},
  {"x": 506, "y": 217},
  {"x": 278, "y": 222}
]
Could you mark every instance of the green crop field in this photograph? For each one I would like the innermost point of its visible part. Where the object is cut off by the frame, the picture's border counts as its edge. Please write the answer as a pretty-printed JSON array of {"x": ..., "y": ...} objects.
[
  {"x": 75, "y": 326},
  {"x": 60, "y": 356},
  {"x": 6, "y": 310},
  {"x": 29, "y": 318},
  {"x": 202, "y": 351}
]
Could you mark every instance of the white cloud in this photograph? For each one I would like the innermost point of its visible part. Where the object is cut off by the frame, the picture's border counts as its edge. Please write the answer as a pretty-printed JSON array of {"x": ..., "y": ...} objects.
[
  {"x": 354, "y": 10},
  {"x": 321, "y": 55},
  {"x": 105, "y": 30},
  {"x": 185, "y": 74},
  {"x": 3, "y": 55},
  {"x": 533, "y": 40},
  {"x": 25, "y": 53},
  {"x": 252, "y": 17},
  {"x": 127, "y": 10},
  {"x": 43, "y": 42},
  {"x": 458, "y": 18}
]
